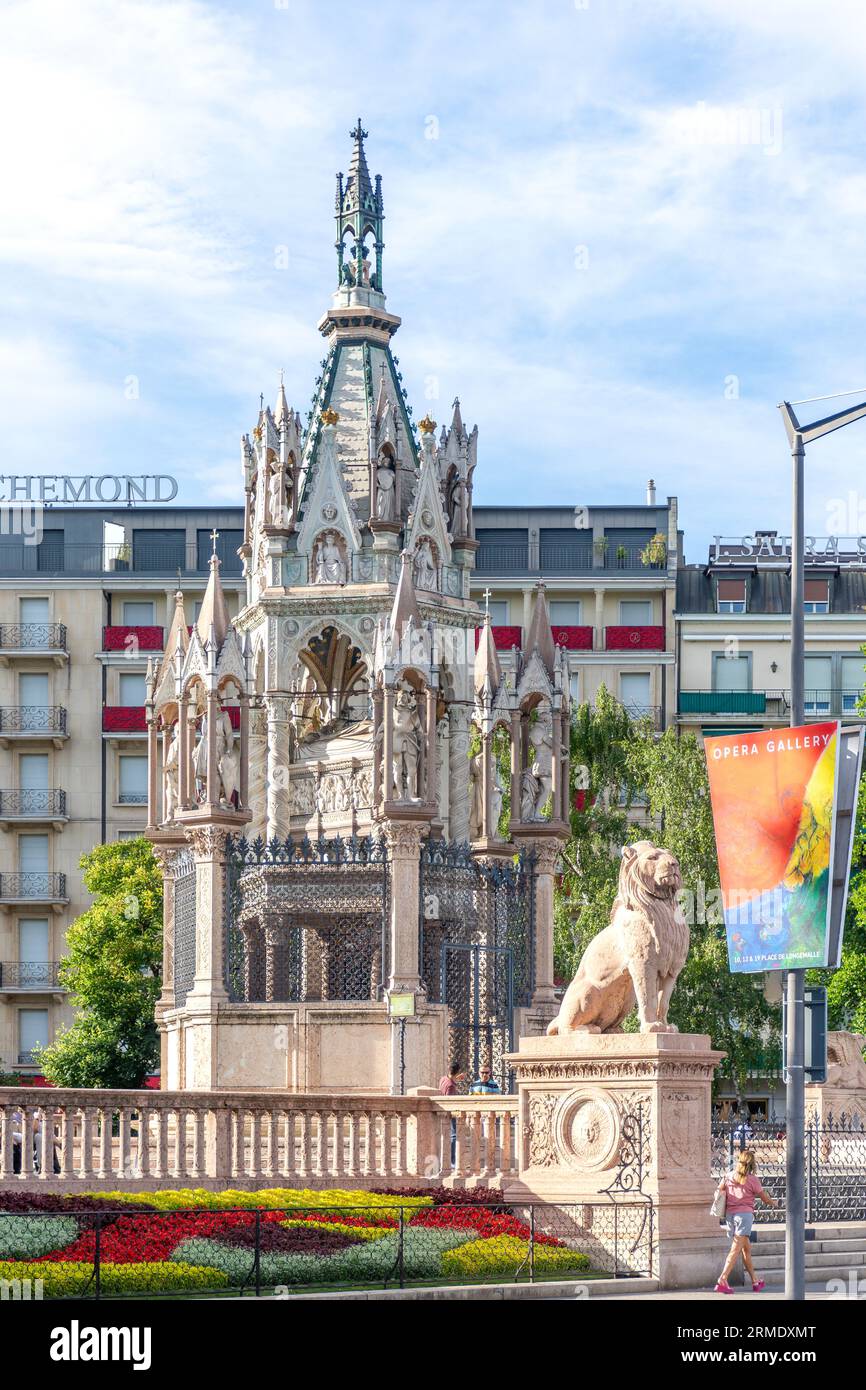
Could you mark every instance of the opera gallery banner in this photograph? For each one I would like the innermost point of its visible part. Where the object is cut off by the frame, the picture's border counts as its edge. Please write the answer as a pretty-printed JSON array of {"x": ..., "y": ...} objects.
[{"x": 774, "y": 798}]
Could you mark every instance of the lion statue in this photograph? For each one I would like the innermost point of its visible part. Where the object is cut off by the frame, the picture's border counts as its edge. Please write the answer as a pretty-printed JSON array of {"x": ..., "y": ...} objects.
[
  {"x": 845, "y": 1064},
  {"x": 637, "y": 957}
]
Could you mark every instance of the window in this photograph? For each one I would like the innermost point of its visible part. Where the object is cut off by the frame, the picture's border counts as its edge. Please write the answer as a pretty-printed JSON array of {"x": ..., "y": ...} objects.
[
  {"x": 499, "y": 612},
  {"x": 574, "y": 686},
  {"x": 818, "y": 684},
  {"x": 132, "y": 687},
  {"x": 33, "y": 854},
  {"x": 138, "y": 613},
  {"x": 129, "y": 834},
  {"x": 158, "y": 550},
  {"x": 34, "y": 698},
  {"x": 852, "y": 679},
  {"x": 33, "y": 948},
  {"x": 32, "y": 1033},
  {"x": 33, "y": 772},
  {"x": 635, "y": 612},
  {"x": 732, "y": 672},
  {"x": 49, "y": 552},
  {"x": 33, "y": 610},
  {"x": 816, "y": 596},
  {"x": 132, "y": 780},
  {"x": 634, "y": 689},
  {"x": 731, "y": 595},
  {"x": 228, "y": 543},
  {"x": 565, "y": 613}
]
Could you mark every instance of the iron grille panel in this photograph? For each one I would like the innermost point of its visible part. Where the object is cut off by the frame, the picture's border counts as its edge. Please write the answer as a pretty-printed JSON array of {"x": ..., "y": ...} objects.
[
  {"x": 184, "y": 926},
  {"x": 307, "y": 921}
]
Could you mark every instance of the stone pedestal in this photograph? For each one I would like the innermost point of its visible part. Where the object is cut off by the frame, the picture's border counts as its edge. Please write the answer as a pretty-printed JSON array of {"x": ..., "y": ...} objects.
[{"x": 624, "y": 1118}]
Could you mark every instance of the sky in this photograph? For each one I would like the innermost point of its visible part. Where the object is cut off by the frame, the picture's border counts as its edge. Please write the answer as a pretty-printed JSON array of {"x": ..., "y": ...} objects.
[{"x": 620, "y": 230}]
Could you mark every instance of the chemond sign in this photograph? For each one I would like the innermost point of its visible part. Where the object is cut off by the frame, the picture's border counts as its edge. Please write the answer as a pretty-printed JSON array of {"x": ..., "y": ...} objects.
[{"x": 89, "y": 487}]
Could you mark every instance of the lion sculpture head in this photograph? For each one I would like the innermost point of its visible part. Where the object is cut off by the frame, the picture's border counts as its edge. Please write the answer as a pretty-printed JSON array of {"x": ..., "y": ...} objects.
[{"x": 648, "y": 874}]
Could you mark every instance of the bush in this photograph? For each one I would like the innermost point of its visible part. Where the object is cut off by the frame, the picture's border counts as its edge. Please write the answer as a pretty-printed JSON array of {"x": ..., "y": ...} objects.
[
  {"x": 75, "y": 1279},
  {"x": 506, "y": 1254},
  {"x": 28, "y": 1237}
]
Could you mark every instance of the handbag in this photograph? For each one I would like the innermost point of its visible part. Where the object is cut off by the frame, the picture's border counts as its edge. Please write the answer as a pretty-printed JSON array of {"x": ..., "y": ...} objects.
[{"x": 719, "y": 1204}]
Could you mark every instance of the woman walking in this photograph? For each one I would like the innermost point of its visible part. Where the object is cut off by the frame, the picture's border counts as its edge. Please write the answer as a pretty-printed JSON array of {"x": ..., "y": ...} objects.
[{"x": 741, "y": 1188}]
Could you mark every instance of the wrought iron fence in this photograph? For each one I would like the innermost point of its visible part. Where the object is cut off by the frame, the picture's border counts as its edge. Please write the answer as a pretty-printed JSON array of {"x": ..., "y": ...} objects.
[
  {"x": 835, "y": 1163},
  {"x": 33, "y": 719},
  {"x": 307, "y": 920},
  {"x": 183, "y": 874},
  {"x": 29, "y": 974},
  {"x": 476, "y": 949},
  {"x": 32, "y": 802},
  {"x": 38, "y": 887},
  {"x": 27, "y": 637},
  {"x": 102, "y": 1247}
]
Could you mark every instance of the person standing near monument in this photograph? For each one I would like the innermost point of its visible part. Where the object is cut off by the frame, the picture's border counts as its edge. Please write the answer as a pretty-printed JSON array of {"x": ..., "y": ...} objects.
[
  {"x": 742, "y": 1188},
  {"x": 484, "y": 1085}
]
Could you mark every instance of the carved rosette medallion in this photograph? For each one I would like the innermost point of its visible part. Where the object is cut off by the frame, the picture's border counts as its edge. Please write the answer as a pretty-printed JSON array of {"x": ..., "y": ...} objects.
[{"x": 586, "y": 1130}]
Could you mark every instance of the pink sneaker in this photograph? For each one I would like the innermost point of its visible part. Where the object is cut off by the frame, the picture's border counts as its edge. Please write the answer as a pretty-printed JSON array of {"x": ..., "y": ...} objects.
[
  {"x": 723, "y": 1287},
  {"x": 756, "y": 1288}
]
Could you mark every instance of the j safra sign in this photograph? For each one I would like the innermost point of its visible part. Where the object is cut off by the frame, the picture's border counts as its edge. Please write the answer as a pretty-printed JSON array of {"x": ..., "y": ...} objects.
[{"x": 90, "y": 487}]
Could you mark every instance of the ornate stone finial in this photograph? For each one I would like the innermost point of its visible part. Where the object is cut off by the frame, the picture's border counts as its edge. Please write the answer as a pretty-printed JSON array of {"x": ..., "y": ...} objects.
[
  {"x": 329, "y": 416},
  {"x": 427, "y": 426}
]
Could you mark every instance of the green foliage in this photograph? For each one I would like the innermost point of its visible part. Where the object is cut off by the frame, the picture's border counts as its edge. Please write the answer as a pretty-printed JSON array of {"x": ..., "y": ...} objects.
[
  {"x": 629, "y": 765},
  {"x": 113, "y": 972},
  {"x": 846, "y": 987}
]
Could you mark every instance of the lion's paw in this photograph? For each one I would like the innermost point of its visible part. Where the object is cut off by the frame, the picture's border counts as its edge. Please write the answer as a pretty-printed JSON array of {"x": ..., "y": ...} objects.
[{"x": 658, "y": 1028}]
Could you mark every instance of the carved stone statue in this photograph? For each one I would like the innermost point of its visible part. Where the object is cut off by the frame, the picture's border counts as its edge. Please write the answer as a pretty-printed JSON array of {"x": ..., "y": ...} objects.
[
  {"x": 476, "y": 795},
  {"x": 407, "y": 745},
  {"x": 424, "y": 573},
  {"x": 199, "y": 762},
  {"x": 228, "y": 758},
  {"x": 497, "y": 795},
  {"x": 276, "y": 497},
  {"x": 637, "y": 957},
  {"x": 170, "y": 775},
  {"x": 536, "y": 783},
  {"x": 328, "y": 564},
  {"x": 385, "y": 491},
  {"x": 845, "y": 1064}
]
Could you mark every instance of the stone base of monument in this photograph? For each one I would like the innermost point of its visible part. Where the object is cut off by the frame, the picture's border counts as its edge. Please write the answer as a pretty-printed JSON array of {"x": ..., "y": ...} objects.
[{"x": 622, "y": 1120}]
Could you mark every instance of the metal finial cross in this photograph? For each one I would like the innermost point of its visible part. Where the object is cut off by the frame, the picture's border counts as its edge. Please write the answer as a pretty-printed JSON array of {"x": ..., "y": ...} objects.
[
  {"x": 214, "y": 535},
  {"x": 487, "y": 596},
  {"x": 359, "y": 133}
]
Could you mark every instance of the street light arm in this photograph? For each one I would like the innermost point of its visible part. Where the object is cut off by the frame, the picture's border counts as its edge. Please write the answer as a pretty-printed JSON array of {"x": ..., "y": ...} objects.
[{"x": 819, "y": 427}]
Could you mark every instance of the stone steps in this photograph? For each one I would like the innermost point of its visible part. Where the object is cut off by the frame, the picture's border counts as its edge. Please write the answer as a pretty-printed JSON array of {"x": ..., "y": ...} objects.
[{"x": 832, "y": 1252}]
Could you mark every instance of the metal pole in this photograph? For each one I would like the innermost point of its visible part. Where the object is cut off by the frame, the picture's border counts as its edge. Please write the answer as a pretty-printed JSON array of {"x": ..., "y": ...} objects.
[{"x": 795, "y": 1098}]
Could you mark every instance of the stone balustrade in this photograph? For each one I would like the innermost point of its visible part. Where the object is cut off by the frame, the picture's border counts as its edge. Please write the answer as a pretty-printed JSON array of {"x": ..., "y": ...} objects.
[{"x": 79, "y": 1140}]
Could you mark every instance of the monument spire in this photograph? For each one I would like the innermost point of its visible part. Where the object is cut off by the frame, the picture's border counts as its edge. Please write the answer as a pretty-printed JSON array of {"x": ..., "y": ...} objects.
[{"x": 359, "y": 216}]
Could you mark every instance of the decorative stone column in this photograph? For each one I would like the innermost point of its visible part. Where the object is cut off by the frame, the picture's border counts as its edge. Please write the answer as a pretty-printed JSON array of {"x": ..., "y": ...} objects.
[
  {"x": 166, "y": 847},
  {"x": 403, "y": 837},
  {"x": 620, "y": 1122},
  {"x": 537, "y": 839},
  {"x": 258, "y": 773},
  {"x": 278, "y": 748},
  {"x": 458, "y": 772}
]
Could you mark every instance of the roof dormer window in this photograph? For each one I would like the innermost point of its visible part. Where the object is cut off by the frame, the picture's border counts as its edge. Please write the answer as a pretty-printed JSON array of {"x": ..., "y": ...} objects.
[
  {"x": 816, "y": 596},
  {"x": 730, "y": 595}
]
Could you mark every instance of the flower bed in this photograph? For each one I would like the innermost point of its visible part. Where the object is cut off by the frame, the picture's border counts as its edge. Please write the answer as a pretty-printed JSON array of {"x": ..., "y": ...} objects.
[{"x": 192, "y": 1240}]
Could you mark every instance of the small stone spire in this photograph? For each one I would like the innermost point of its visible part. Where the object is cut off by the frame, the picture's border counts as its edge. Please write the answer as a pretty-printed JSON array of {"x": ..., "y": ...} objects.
[
  {"x": 488, "y": 672},
  {"x": 214, "y": 615},
  {"x": 539, "y": 637},
  {"x": 282, "y": 411}
]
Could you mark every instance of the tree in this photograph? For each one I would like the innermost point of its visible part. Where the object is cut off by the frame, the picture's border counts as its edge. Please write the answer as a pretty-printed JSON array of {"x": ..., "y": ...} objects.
[{"x": 113, "y": 971}]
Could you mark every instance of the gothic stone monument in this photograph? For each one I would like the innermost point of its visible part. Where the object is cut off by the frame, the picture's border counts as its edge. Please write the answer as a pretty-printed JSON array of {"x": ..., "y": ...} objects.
[
  {"x": 327, "y": 841},
  {"x": 625, "y": 1117}
]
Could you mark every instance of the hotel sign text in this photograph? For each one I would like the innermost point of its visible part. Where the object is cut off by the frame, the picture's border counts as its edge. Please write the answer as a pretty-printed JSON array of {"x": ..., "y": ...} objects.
[{"x": 90, "y": 487}]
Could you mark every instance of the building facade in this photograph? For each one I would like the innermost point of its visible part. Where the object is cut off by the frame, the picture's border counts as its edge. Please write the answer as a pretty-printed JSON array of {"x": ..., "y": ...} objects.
[
  {"x": 734, "y": 640},
  {"x": 81, "y": 610}
]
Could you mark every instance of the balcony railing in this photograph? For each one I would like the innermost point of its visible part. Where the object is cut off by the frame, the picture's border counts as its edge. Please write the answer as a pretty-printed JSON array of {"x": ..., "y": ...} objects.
[
  {"x": 128, "y": 638},
  {"x": 29, "y": 974},
  {"x": 552, "y": 558},
  {"x": 634, "y": 638},
  {"x": 132, "y": 798},
  {"x": 124, "y": 719},
  {"x": 829, "y": 704},
  {"x": 34, "y": 804},
  {"x": 95, "y": 558},
  {"x": 33, "y": 719},
  {"x": 33, "y": 887},
  {"x": 33, "y": 637}
]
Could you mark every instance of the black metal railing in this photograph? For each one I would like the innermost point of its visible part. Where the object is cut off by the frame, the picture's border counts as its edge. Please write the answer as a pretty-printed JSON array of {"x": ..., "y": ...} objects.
[
  {"x": 29, "y": 1057},
  {"x": 132, "y": 799},
  {"x": 29, "y": 974},
  {"x": 448, "y": 1239},
  {"x": 36, "y": 887},
  {"x": 33, "y": 637},
  {"x": 94, "y": 558},
  {"x": 29, "y": 802},
  {"x": 552, "y": 557},
  {"x": 835, "y": 1163},
  {"x": 817, "y": 702},
  {"x": 32, "y": 719}
]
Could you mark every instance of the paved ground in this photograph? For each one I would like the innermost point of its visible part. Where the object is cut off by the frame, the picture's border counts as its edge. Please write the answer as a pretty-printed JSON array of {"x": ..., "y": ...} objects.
[{"x": 774, "y": 1295}]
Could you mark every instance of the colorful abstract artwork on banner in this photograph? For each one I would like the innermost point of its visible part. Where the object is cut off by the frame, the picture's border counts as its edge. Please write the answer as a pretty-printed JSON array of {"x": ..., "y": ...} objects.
[{"x": 774, "y": 810}]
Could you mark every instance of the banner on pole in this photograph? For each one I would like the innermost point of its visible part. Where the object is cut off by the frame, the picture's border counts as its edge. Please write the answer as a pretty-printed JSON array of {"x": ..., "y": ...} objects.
[{"x": 775, "y": 801}]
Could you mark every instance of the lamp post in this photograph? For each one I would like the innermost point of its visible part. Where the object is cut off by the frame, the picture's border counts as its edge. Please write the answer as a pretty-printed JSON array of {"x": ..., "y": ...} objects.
[{"x": 795, "y": 1080}]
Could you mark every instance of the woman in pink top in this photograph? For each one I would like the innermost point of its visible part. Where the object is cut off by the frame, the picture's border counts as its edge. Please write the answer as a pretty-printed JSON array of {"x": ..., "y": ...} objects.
[{"x": 742, "y": 1187}]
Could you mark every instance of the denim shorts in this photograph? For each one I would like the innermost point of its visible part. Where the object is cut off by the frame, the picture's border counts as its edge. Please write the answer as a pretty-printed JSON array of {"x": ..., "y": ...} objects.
[{"x": 740, "y": 1223}]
